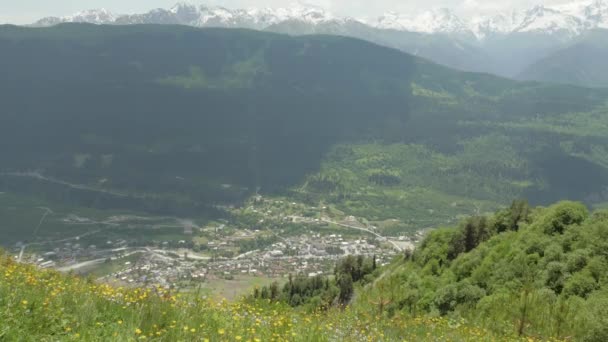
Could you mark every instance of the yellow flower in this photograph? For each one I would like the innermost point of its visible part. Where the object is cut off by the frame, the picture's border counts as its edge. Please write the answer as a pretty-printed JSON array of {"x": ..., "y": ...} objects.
[
  {"x": 120, "y": 322},
  {"x": 193, "y": 330},
  {"x": 238, "y": 338},
  {"x": 221, "y": 331},
  {"x": 137, "y": 331},
  {"x": 24, "y": 302}
]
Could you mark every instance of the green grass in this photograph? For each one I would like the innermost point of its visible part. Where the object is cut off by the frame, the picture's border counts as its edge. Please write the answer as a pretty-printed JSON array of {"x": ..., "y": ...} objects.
[
  {"x": 234, "y": 289},
  {"x": 40, "y": 305},
  {"x": 22, "y": 219},
  {"x": 434, "y": 188}
]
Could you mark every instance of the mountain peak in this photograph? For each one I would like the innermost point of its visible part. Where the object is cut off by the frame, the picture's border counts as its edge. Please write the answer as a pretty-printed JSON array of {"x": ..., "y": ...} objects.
[
  {"x": 183, "y": 7},
  {"x": 93, "y": 16},
  {"x": 597, "y": 13},
  {"x": 543, "y": 19},
  {"x": 441, "y": 20},
  {"x": 570, "y": 19},
  {"x": 538, "y": 10}
]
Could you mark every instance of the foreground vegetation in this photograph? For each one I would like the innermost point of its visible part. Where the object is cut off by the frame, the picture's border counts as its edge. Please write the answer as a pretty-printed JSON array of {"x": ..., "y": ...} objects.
[
  {"x": 522, "y": 274},
  {"x": 38, "y": 305},
  {"x": 535, "y": 272},
  {"x": 321, "y": 292}
]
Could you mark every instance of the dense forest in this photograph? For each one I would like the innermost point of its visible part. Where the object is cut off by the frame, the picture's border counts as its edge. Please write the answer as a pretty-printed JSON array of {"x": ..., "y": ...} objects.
[
  {"x": 539, "y": 272},
  {"x": 321, "y": 292}
]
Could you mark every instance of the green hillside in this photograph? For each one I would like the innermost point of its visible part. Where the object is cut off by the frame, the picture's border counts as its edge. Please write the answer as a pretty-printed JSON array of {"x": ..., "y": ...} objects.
[
  {"x": 523, "y": 274},
  {"x": 455, "y": 52},
  {"x": 537, "y": 272},
  {"x": 174, "y": 121},
  {"x": 42, "y": 305}
]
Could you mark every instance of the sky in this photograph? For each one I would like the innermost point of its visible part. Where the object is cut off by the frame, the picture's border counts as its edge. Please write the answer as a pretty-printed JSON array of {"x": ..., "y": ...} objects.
[{"x": 28, "y": 11}]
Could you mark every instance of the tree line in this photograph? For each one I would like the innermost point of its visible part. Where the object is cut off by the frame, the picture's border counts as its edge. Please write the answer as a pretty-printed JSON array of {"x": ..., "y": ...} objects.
[{"x": 321, "y": 292}]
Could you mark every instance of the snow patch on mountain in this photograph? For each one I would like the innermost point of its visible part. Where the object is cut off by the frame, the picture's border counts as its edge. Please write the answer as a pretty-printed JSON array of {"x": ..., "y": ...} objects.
[
  {"x": 94, "y": 16},
  {"x": 547, "y": 20},
  {"x": 434, "y": 21},
  {"x": 498, "y": 24},
  {"x": 571, "y": 19}
]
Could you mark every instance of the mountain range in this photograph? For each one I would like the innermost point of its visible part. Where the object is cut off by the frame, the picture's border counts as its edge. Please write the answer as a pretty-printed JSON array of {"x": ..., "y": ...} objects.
[
  {"x": 171, "y": 119},
  {"x": 572, "y": 19},
  {"x": 116, "y": 122},
  {"x": 506, "y": 44}
]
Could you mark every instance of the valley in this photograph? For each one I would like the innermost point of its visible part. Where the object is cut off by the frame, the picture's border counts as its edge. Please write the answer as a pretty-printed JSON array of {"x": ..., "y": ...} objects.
[
  {"x": 248, "y": 177},
  {"x": 269, "y": 239},
  {"x": 176, "y": 183}
]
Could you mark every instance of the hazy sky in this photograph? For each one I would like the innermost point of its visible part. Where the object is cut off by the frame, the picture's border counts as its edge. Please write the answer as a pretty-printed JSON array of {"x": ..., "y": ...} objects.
[{"x": 27, "y": 11}]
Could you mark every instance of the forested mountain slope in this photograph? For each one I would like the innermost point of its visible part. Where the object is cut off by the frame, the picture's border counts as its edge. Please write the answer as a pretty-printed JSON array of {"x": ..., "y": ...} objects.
[
  {"x": 510, "y": 44},
  {"x": 537, "y": 272},
  {"x": 172, "y": 120}
]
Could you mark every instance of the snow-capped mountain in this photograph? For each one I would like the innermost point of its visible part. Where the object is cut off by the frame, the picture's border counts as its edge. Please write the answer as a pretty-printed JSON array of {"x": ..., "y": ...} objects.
[
  {"x": 539, "y": 19},
  {"x": 205, "y": 16},
  {"x": 504, "y": 44},
  {"x": 440, "y": 20},
  {"x": 571, "y": 19},
  {"x": 483, "y": 27},
  {"x": 95, "y": 16},
  {"x": 597, "y": 14},
  {"x": 201, "y": 16},
  {"x": 547, "y": 20},
  {"x": 594, "y": 13}
]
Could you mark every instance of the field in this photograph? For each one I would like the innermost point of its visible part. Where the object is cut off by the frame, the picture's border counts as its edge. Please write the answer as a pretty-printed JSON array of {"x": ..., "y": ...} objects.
[{"x": 234, "y": 289}]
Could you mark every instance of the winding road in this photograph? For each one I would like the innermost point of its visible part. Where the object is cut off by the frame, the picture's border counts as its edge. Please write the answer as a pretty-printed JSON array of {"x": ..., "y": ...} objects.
[{"x": 367, "y": 231}]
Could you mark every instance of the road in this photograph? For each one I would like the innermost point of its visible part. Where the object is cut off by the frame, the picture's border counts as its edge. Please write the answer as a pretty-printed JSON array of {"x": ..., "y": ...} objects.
[
  {"x": 55, "y": 241},
  {"x": 82, "y": 264},
  {"x": 367, "y": 231},
  {"x": 39, "y": 176},
  {"x": 77, "y": 266},
  {"x": 46, "y": 212}
]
